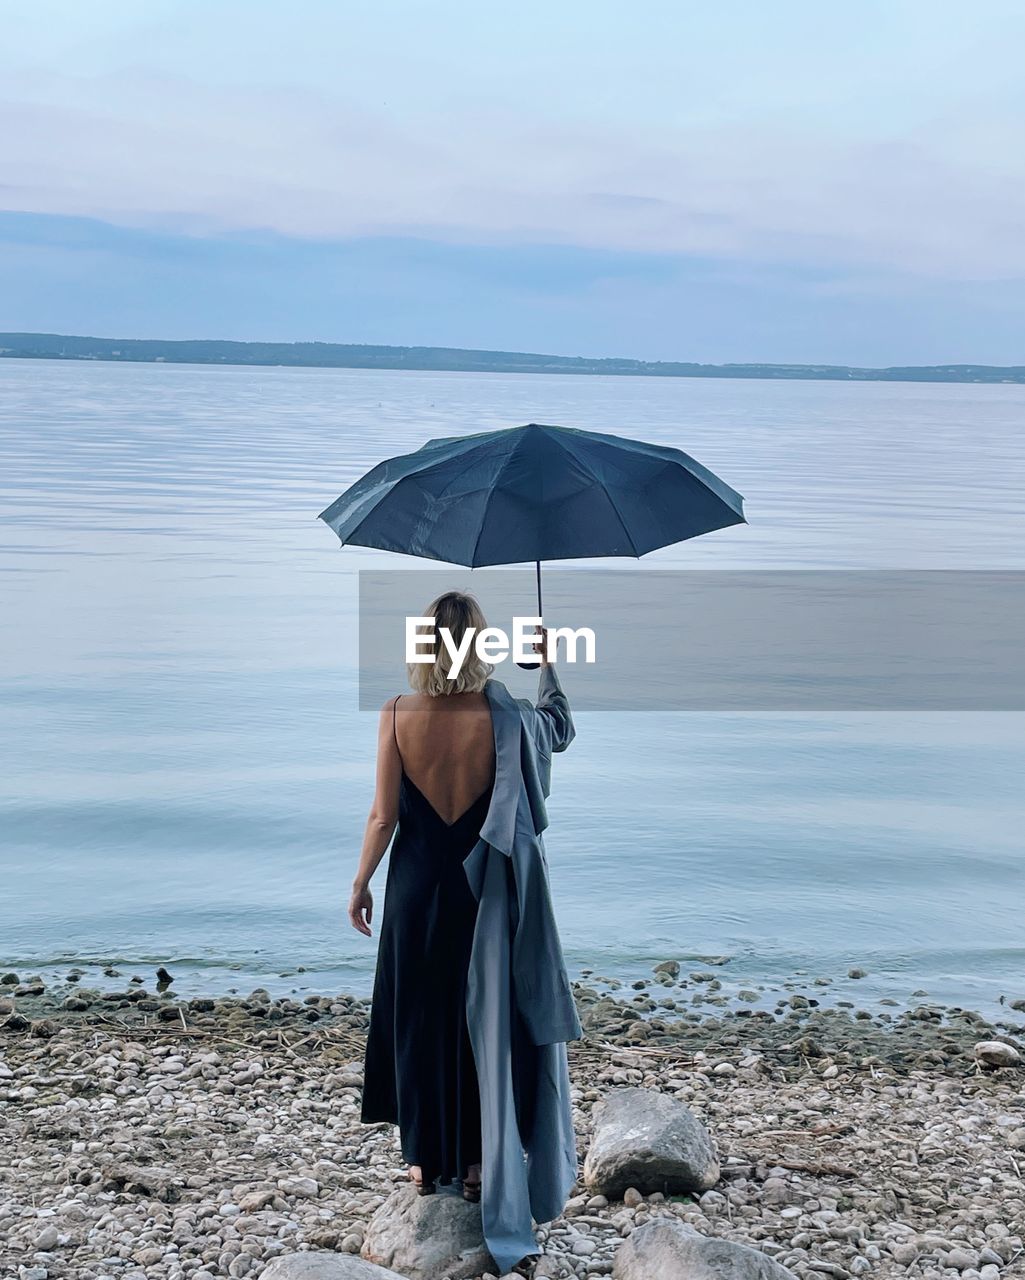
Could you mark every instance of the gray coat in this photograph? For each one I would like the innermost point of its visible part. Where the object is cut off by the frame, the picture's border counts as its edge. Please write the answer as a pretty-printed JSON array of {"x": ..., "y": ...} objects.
[{"x": 519, "y": 1005}]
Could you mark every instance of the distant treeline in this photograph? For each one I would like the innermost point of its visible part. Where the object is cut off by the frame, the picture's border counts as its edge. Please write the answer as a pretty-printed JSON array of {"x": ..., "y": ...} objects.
[{"x": 55, "y": 346}]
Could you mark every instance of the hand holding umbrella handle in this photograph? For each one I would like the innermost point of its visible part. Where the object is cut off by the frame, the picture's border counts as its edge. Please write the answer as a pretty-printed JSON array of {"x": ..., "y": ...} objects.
[
  {"x": 533, "y": 666},
  {"x": 541, "y": 645}
]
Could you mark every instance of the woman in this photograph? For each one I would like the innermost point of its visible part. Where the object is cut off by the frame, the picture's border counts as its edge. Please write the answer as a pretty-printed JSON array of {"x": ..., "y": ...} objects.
[{"x": 471, "y": 1006}]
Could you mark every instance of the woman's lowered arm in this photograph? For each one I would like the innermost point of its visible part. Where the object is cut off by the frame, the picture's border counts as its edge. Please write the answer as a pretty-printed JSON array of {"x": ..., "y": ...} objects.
[{"x": 381, "y": 822}]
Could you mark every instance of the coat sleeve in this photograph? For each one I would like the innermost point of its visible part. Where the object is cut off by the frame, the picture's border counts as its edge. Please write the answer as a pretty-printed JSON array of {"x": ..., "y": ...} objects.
[{"x": 552, "y": 722}]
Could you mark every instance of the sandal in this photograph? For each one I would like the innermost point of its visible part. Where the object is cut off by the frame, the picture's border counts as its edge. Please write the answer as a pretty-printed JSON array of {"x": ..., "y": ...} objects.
[
  {"x": 471, "y": 1191},
  {"x": 422, "y": 1188}
]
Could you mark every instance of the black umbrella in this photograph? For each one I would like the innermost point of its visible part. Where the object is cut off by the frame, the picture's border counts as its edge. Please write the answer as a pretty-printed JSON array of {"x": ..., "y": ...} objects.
[{"x": 533, "y": 493}]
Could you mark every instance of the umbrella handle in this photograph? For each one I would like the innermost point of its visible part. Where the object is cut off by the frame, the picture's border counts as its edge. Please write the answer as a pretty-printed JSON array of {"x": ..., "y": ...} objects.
[{"x": 533, "y": 666}]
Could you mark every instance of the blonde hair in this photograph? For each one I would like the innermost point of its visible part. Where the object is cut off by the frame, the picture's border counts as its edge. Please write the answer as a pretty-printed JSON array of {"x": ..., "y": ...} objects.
[{"x": 457, "y": 612}]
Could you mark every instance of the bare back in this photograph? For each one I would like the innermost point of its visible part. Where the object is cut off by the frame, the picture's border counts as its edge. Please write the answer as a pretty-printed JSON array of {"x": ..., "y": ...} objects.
[{"x": 446, "y": 747}]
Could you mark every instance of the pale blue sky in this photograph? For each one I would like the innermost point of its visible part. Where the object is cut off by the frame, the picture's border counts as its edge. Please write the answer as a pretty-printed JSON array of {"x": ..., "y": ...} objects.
[{"x": 729, "y": 181}]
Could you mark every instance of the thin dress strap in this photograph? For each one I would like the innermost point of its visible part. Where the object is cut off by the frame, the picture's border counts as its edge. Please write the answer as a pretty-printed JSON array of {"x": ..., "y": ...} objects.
[{"x": 395, "y": 736}]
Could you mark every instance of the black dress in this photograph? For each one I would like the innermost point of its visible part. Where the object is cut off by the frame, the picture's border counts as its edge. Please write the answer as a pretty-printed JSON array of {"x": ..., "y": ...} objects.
[{"x": 419, "y": 1070}]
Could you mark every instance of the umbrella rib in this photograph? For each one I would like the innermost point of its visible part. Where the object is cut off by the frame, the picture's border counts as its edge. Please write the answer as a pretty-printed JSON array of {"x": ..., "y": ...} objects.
[
  {"x": 612, "y": 501},
  {"x": 487, "y": 503},
  {"x": 673, "y": 456},
  {"x": 480, "y": 533},
  {"x": 411, "y": 475}
]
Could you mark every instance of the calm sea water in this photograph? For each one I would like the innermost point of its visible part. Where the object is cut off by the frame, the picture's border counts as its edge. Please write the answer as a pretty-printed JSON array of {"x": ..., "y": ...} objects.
[{"x": 185, "y": 777}]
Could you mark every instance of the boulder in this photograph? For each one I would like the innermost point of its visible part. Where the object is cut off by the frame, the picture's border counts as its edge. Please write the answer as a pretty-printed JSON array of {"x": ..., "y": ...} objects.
[
  {"x": 423, "y": 1237},
  {"x": 650, "y": 1141},
  {"x": 324, "y": 1266},
  {"x": 670, "y": 1250},
  {"x": 995, "y": 1053}
]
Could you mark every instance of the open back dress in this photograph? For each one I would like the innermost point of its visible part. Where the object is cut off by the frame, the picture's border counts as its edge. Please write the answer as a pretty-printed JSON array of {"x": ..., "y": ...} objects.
[{"x": 419, "y": 1070}]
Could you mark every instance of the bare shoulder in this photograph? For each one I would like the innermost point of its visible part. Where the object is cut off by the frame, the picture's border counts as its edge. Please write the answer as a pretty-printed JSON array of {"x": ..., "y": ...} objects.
[{"x": 388, "y": 712}]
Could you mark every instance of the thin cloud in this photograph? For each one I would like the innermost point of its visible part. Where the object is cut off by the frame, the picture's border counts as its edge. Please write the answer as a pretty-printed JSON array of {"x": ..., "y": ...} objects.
[{"x": 168, "y": 151}]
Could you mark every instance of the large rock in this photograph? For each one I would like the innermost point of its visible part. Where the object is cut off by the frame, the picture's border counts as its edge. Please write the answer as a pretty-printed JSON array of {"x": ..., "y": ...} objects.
[
  {"x": 650, "y": 1141},
  {"x": 669, "y": 1250},
  {"x": 424, "y": 1237},
  {"x": 325, "y": 1266},
  {"x": 995, "y": 1053}
]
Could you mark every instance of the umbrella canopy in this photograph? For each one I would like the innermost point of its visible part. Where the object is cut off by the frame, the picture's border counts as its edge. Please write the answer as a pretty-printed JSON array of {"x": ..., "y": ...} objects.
[{"x": 533, "y": 493}]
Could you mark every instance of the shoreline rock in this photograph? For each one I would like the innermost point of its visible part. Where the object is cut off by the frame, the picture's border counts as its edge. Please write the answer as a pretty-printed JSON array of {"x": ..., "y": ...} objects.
[
  {"x": 423, "y": 1237},
  {"x": 670, "y": 1250},
  {"x": 326, "y": 1266},
  {"x": 648, "y": 1140}
]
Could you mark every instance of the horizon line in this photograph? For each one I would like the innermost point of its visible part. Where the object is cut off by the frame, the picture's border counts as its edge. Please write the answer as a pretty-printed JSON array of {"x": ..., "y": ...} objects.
[{"x": 319, "y": 353}]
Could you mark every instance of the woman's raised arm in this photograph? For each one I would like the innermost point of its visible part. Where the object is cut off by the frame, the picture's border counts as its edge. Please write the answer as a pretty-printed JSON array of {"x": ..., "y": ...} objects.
[{"x": 553, "y": 724}]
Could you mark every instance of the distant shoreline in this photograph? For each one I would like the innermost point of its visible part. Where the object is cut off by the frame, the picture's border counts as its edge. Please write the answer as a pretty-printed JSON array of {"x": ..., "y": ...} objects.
[{"x": 330, "y": 355}]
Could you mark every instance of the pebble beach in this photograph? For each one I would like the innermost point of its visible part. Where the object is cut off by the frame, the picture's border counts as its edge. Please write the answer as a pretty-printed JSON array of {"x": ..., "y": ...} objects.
[{"x": 146, "y": 1135}]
